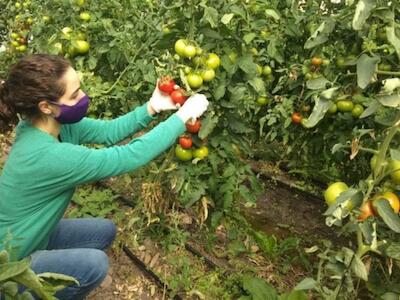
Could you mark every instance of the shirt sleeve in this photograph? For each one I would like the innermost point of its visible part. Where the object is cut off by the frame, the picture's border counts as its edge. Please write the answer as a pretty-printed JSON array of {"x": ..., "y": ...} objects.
[
  {"x": 76, "y": 164},
  {"x": 106, "y": 132}
]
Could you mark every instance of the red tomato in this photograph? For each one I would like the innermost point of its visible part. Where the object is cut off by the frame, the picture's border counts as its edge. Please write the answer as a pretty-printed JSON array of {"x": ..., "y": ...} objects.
[
  {"x": 296, "y": 118},
  {"x": 178, "y": 96},
  {"x": 185, "y": 142},
  {"x": 193, "y": 128},
  {"x": 166, "y": 84}
]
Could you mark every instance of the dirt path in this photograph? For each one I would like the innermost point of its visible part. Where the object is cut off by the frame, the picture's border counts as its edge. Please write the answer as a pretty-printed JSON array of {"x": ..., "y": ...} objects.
[{"x": 125, "y": 281}]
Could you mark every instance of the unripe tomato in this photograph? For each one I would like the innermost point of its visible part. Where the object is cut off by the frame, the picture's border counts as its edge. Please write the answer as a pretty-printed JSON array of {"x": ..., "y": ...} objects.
[
  {"x": 316, "y": 61},
  {"x": 84, "y": 16},
  {"x": 333, "y": 191},
  {"x": 395, "y": 168},
  {"x": 67, "y": 32},
  {"x": 183, "y": 154},
  {"x": 15, "y": 44},
  {"x": 17, "y": 5},
  {"x": 14, "y": 35},
  {"x": 332, "y": 109},
  {"x": 233, "y": 57},
  {"x": 262, "y": 100},
  {"x": 392, "y": 198},
  {"x": 296, "y": 118},
  {"x": 180, "y": 47},
  {"x": 345, "y": 105},
  {"x": 357, "y": 110},
  {"x": 193, "y": 128},
  {"x": 46, "y": 19},
  {"x": 190, "y": 51},
  {"x": 22, "y": 48},
  {"x": 199, "y": 51},
  {"x": 58, "y": 47},
  {"x": 259, "y": 69},
  {"x": 195, "y": 81},
  {"x": 29, "y": 21},
  {"x": 81, "y": 46},
  {"x": 187, "y": 70},
  {"x": 178, "y": 96},
  {"x": 201, "y": 152},
  {"x": 166, "y": 84},
  {"x": 213, "y": 61},
  {"x": 326, "y": 62},
  {"x": 185, "y": 142},
  {"x": 208, "y": 75},
  {"x": 80, "y": 2},
  {"x": 267, "y": 70},
  {"x": 366, "y": 210},
  {"x": 341, "y": 62}
]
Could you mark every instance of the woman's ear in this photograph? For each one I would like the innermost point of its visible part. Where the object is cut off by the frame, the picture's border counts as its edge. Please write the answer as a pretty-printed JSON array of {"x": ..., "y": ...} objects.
[{"x": 47, "y": 109}]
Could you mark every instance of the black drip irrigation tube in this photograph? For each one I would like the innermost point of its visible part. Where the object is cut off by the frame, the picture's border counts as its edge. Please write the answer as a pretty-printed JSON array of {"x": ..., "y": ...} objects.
[{"x": 142, "y": 266}]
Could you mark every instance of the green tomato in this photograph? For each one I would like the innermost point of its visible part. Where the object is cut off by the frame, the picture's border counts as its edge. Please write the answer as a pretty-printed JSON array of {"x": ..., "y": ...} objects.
[
  {"x": 341, "y": 62},
  {"x": 345, "y": 105},
  {"x": 199, "y": 51},
  {"x": 187, "y": 70},
  {"x": 208, "y": 75},
  {"x": 22, "y": 48},
  {"x": 195, "y": 81},
  {"x": 84, "y": 16},
  {"x": 262, "y": 100},
  {"x": 201, "y": 152},
  {"x": 14, "y": 35},
  {"x": 190, "y": 51},
  {"x": 395, "y": 168},
  {"x": 180, "y": 47},
  {"x": 82, "y": 47},
  {"x": 333, "y": 191},
  {"x": 17, "y": 5},
  {"x": 46, "y": 19},
  {"x": 333, "y": 109},
  {"x": 326, "y": 62},
  {"x": 80, "y": 2},
  {"x": 67, "y": 31},
  {"x": 15, "y": 44},
  {"x": 213, "y": 61},
  {"x": 267, "y": 70},
  {"x": 183, "y": 154},
  {"x": 233, "y": 57},
  {"x": 357, "y": 111}
]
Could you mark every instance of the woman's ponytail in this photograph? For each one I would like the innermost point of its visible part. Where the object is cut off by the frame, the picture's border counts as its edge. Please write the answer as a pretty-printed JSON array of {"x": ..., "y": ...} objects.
[{"x": 8, "y": 117}]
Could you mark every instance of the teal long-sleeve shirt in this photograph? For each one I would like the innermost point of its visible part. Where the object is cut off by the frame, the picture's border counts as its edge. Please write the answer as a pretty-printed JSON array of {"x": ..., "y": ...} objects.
[{"x": 41, "y": 173}]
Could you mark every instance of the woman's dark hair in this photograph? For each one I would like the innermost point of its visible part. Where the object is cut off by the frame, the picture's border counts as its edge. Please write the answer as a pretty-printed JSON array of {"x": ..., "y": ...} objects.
[{"x": 32, "y": 79}]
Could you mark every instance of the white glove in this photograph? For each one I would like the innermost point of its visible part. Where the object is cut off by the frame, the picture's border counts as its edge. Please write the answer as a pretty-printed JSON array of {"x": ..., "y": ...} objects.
[
  {"x": 160, "y": 102},
  {"x": 193, "y": 108}
]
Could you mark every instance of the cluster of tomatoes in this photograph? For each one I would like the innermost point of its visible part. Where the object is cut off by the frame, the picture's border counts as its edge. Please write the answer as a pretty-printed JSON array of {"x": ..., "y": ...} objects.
[
  {"x": 312, "y": 67},
  {"x": 347, "y": 106},
  {"x": 368, "y": 208},
  {"x": 19, "y": 41},
  {"x": 184, "y": 150},
  {"x": 76, "y": 41},
  {"x": 203, "y": 65}
]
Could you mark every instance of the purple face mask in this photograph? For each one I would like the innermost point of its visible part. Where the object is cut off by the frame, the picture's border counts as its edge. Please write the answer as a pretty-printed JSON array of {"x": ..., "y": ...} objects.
[{"x": 74, "y": 113}]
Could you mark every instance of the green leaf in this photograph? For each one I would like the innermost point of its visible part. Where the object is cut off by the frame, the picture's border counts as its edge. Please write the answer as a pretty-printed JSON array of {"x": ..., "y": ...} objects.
[
  {"x": 275, "y": 49},
  {"x": 321, "y": 35},
  {"x": 372, "y": 108},
  {"x": 57, "y": 279},
  {"x": 272, "y": 13},
  {"x": 329, "y": 93},
  {"x": 320, "y": 108},
  {"x": 226, "y": 18},
  {"x": 362, "y": 13},
  {"x": 395, "y": 154},
  {"x": 387, "y": 214},
  {"x": 211, "y": 16},
  {"x": 26, "y": 295},
  {"x": 207, "y": 125},
  {"x": 29, "y": 279},
  {"x": 319, "y": 83},
  {"x": 390, "y": 296},
  {"x": 9, "y": 288},
  {"x": 358, "y": 268},
  {"x": 393, "y": 250},
  {"x": 246, "y": 64},
  {"x": 258, "y": 288},
  {"x": 393, "y": 38},
  {"x": 258, "y": 85},
  {"x": 306, "y": 284},
  {"x": 249, "y": 37},
  {"x": 366, "y": 67},
  {"x": 389, "y": 100},
  {"x": 219, "y": 92},
  {"x": 11, "y": 269},
  {"x": 294, "y": 295}
]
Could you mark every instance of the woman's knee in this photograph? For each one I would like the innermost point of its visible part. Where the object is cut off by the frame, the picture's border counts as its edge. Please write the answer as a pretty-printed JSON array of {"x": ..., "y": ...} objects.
[{"x": 109, "y": 229}]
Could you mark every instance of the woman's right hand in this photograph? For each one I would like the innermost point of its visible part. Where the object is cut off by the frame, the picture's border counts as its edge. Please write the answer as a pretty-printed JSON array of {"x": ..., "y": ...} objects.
[{"x": 193, "y": 108}]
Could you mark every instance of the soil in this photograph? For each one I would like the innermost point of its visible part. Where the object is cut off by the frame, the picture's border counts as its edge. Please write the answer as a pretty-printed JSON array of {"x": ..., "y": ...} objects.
[{"x": 125, "y": 281}]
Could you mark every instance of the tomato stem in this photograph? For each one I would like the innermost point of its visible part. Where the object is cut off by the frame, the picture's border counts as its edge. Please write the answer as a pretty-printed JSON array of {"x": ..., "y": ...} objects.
[{"x": 388, "y": 73}]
